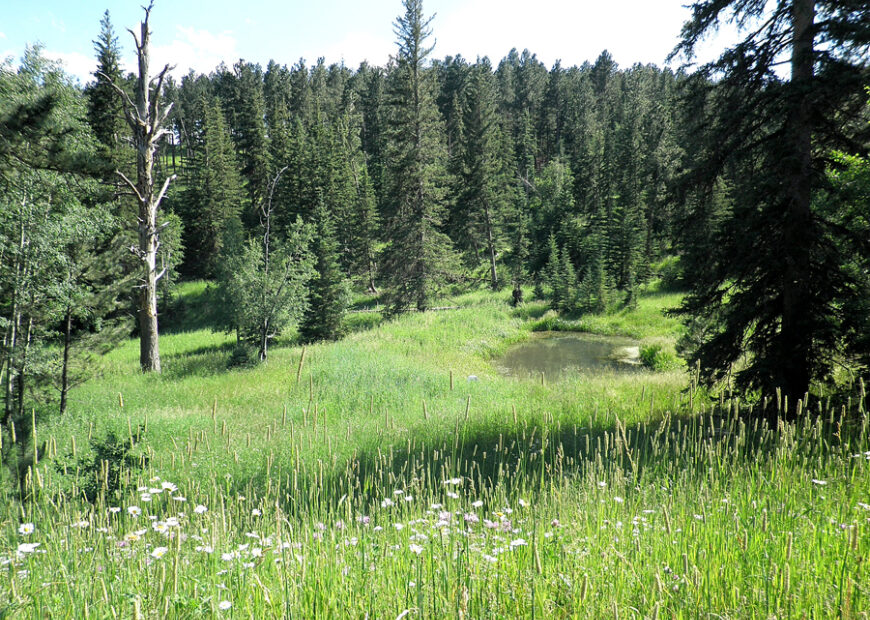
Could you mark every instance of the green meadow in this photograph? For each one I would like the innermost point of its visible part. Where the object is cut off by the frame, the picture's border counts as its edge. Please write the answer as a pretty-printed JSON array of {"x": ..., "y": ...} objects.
[{"x": 397, "y": 474}]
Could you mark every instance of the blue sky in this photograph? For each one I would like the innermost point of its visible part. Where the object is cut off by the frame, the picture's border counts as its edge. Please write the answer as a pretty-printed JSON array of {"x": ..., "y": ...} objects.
[{"x": 199, "y": 35}]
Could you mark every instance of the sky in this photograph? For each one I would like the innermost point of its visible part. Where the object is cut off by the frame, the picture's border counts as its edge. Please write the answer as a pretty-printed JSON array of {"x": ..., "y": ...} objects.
[{"x": 193, "y": 34}]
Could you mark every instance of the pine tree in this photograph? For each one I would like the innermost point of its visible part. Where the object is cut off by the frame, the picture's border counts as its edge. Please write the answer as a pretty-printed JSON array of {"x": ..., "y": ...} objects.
[
  {"x": 418, "y": 257},
  {"x": 567, "y": 282},
  {"x": 213, "y": 194},
  {"x": 550, "y": 273},
  {"x": 242, "y": 97},
  {"x": 361, "y": 224},
  {"x": 518, "y": 253},
  {"x": 485, "y": 196},
  {"x": 772, "y": 281},
  {"x": 105, "y": 107},
  {"x": 328, "y": 293},
  {"x": 373, "y": 132}
]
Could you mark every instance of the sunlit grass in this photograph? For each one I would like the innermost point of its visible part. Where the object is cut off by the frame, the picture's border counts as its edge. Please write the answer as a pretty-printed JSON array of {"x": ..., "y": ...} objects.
[{"x": 368, "y": 481}]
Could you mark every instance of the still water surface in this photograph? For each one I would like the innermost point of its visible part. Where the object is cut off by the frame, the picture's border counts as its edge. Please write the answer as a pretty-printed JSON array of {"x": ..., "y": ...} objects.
[{"x": 560, "y": 353}]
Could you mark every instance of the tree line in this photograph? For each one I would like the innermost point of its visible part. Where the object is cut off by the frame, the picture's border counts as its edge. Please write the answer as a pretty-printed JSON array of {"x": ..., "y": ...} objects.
[{"x": 292, "y": 185}]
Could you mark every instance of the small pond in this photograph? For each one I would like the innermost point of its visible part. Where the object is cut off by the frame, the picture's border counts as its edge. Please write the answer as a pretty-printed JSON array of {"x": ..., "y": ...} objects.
[{"x": 560, "y": 353}]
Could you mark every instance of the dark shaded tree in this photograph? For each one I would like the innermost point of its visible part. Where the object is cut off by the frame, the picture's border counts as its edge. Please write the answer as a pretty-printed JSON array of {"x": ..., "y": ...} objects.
[
  {"x": 213, "y": 194},
  {"x": 772, "y": 281}
]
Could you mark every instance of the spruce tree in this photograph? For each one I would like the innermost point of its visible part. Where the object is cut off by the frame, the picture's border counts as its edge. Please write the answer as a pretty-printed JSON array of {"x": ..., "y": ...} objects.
[
  {"x": 772, "y": 281},
  {"x": 242, "y": 97},
  {"x": 518, "y": 252},
  {"x": 213, "y": 194},
  {"x": 328, "y": 292},
  {"x": 485, "y": 178},
  {"x": 567, "y": 282},
  {"x": 417, "y": 259},
  {"x": 550, "y": 273},
  {"x": 105, "y": 107}
]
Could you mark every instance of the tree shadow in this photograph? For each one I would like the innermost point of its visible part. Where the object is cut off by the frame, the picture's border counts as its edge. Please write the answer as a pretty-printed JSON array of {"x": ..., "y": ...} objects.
[
  {"x": 194, "y": 310},
  {"x": 205, "y": 361},
  {"x": 530, "y": 311},
  {"x": 525, "y": 459}
]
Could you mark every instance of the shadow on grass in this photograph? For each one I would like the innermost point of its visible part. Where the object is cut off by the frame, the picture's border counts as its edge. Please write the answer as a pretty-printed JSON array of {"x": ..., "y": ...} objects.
[
  {"x": 532, "y": 310},
  {"x": 193, "y": 310},
  {"x": 203, "y": 361},
  {"x": 526, "y": 459}
]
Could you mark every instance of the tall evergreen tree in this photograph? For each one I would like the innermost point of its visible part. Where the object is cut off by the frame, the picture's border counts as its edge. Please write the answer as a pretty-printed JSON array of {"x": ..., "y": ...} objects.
[
  {"x": 213, "y": 194},
  {"x": 484, "y": 175},
  {"x": 417, "y": 258},
  {"x": 328, "y": 292},
  {"x": 105, "y": 107},
  {"x": 373, "y": 132},
  {"x": 772, "y": 281},
  {"x": 242, "y": 97}
]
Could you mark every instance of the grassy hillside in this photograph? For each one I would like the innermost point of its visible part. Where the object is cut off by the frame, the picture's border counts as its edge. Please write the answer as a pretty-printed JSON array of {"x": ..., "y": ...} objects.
[
  {"x": 370, "y": 486},
  {"x": 368, "y": 389}
]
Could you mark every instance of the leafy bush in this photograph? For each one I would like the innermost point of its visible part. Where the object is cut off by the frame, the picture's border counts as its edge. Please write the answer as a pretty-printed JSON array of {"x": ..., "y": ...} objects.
[
  {"x": 103, "y": 470},
  {"x": 243, "y": 356},
  {"x": 656, "y": 357}
]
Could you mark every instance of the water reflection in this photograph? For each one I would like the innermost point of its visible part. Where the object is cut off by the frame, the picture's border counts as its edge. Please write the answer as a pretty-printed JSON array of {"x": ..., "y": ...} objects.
[{"x": 559, "y": 353}]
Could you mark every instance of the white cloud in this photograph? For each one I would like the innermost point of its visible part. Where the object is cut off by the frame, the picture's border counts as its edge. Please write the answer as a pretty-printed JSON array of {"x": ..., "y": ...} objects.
[
  {"x": 74, "y": 63},
  {"x": 195, "y": 49},
  {"x": 2, "y": 35},
  {"x": 355, "y": 48},
  {"x": 632, "y": 30}
]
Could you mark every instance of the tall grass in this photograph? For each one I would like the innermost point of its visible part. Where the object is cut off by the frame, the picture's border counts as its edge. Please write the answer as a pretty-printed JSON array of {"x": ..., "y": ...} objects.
[{"x": 378, "y": 485}]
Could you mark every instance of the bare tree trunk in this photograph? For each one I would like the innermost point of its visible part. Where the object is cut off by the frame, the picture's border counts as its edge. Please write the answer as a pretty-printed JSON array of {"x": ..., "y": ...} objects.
[
  {"x": 371, "y": 275},
  {"x": 265, "y": 213},
  {"x": 264, "y": 340},
  {"x": 490, "y": 246},
  {"x": 145, "y": 119}
]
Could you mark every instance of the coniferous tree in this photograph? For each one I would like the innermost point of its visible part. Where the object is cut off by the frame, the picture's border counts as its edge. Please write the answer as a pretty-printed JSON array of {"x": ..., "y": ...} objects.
[
  {"x": 359, "y": 213},
  {"x": 518, "y": 253},
  {"x": 485, "y": 194},
  {"x": 550, "y": 272},
  {"x": 213, "y": 194},
  {"x": 418, "y": 256},
  {"x": 593, "y": 294},
  {"x": 566, "y": 283},
  {"x": 241, "y": 93},
  {"x": 105, "y": 107},
  {"x": 328, "y": 293},
  {"x": 373, "y": 132},
  {"x": 772, "y": 282}
]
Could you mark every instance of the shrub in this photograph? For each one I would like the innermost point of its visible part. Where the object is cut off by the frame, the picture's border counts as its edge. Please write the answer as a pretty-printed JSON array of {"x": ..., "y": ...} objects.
[{"x": 656, "y": 357}]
